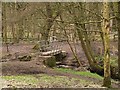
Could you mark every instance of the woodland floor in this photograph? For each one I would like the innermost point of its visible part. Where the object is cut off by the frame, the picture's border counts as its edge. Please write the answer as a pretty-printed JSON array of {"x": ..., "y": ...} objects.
[{"x": 36, "y": 67}]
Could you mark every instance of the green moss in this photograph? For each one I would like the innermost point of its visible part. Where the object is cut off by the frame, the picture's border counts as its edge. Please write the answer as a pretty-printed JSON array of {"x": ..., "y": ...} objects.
[
  {"x": 113, "y": 61},
  {"x": 87, "y": 74},
  {"x": 50, "y": 62}
]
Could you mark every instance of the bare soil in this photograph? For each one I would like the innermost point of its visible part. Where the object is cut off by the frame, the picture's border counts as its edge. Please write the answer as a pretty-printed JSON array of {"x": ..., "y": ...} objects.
[{"x": 13, "y": 67}]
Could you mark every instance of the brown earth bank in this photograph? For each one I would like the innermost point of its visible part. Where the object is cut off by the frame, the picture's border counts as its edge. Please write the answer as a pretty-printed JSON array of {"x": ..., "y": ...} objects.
[{"x": 12, "y": 66}]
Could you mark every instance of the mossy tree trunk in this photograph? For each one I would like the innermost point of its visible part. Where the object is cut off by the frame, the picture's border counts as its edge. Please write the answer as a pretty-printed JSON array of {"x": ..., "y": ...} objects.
[
  {"x": 81, "y": 35},
  {"x": 105, "y": 30},
  {"x": 118, "y": 19}
]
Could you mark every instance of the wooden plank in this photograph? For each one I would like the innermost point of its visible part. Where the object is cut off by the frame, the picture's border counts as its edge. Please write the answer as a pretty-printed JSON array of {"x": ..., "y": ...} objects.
[{"x": 52, "y": 52}]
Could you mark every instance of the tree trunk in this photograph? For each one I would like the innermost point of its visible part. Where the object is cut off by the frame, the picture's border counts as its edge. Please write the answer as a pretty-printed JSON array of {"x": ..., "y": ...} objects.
[
  {"x": 14, "y": 33},
  {"x": 105, "y": 30},
  {"x": 21, "y": 31},
  {"x": 68, "y": 41},
  {"x": 5, "y": 27},
  {"x": 85, "y": 43},
  {"x": 49, "y": 21},
  {"x": 118, "y": 19},
  {"x": 80, "y": 36},
  {"x": 88, "y": 45}
]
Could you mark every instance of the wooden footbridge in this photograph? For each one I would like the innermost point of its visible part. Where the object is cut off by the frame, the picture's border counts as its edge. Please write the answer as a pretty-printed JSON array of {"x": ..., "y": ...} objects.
[{"x": 47, "y": 49}]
